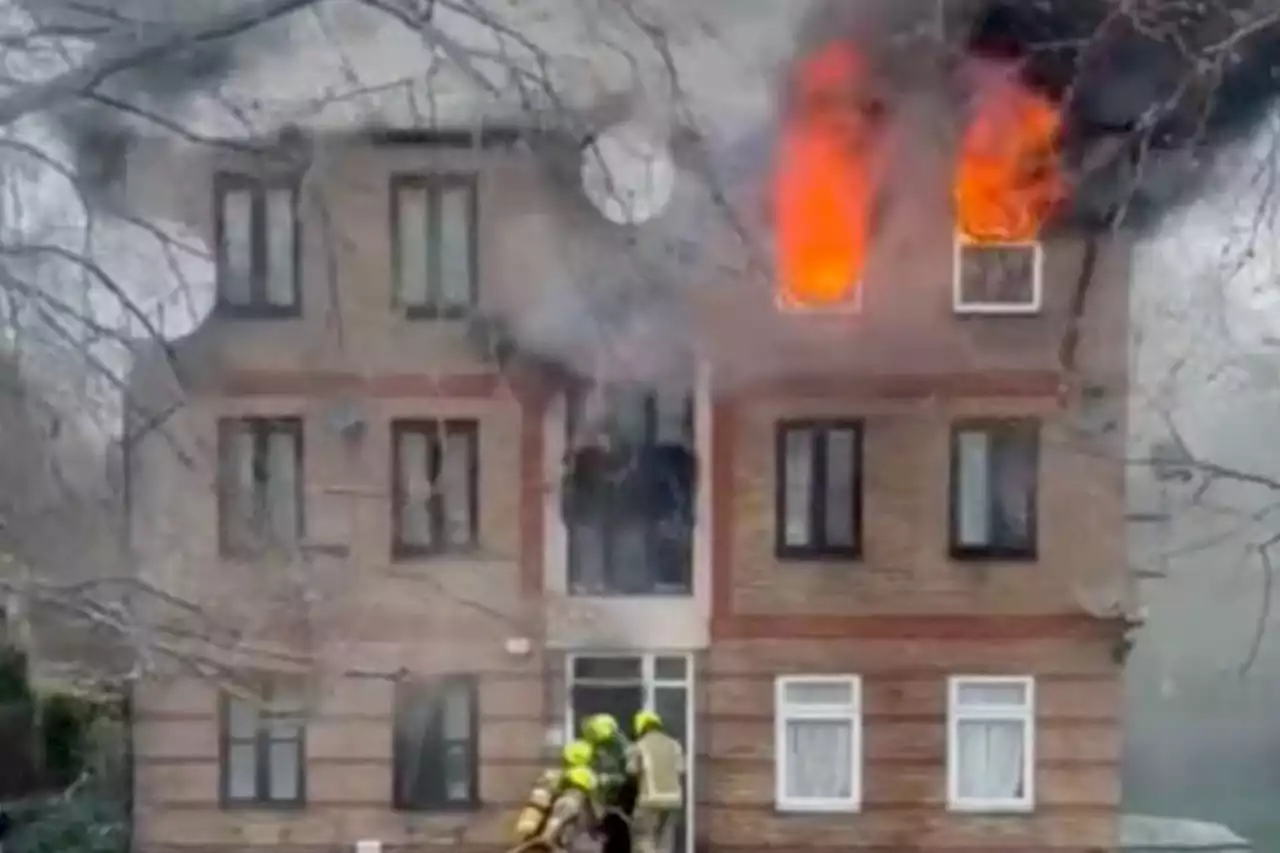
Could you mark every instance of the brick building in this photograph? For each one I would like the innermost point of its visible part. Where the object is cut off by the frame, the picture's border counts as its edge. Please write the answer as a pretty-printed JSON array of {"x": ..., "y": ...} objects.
[{"x": 885, "y": 610}]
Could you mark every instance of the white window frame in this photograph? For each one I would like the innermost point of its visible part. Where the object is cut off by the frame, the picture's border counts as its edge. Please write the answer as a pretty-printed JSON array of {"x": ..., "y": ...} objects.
[
  {"x": 784, "y": 713},
  {"x": 1007, "y": 308},
  {"x": 1025, "y": 714}
]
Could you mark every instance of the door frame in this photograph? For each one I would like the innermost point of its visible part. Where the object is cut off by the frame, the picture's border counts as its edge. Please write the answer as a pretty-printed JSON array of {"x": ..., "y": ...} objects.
[{"x": 649, "y": 682}]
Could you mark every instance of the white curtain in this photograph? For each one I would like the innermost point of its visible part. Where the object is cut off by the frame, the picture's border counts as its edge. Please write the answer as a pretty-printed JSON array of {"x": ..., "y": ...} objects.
[
  {"x": 455, "y": 487},
  {"x": 455, "y": 248},
  {"x": 411, "y": 246},
  {"x": 415, "y": 480},
  {"x": 819, "y": 759},
  {"x": 457, "y": 734},
  {"x": 841, "y": 461},
  {"x": 237, "y": 245},
  {"x": 798, "y": 473},
  {"x": 973, "y": 525},
  {"x": 282, "y": 486},
  {"x": 990, "y": 759}
]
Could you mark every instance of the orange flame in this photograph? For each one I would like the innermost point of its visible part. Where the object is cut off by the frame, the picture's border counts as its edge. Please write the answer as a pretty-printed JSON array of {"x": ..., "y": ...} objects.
[
  {"x": 822, "y": 184},
  {"x": 1007, "y": 180}
]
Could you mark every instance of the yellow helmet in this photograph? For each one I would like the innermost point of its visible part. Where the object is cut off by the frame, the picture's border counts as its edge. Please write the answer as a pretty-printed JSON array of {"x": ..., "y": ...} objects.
[
  {"x": 599, "y": 728},
  {"x": 644, "y": 721},
  {"x": 578, "y": 753},
  {"x": 582, "y": 778}
]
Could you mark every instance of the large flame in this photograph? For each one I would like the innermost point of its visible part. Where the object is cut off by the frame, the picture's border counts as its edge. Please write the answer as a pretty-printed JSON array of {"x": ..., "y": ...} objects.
[
  {"x": 1008, "y": 180},
  {"x": 822, "y": 184}
]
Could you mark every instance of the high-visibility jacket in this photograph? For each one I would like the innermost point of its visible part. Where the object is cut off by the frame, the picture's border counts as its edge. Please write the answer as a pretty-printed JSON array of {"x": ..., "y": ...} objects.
[
  {"x": 541, "y": 798},
  {"x": 657, "y": 761}
]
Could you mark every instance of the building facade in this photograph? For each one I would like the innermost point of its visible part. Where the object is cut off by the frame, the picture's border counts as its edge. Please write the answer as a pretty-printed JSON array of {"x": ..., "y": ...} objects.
[{"x": 869, "y": 566}]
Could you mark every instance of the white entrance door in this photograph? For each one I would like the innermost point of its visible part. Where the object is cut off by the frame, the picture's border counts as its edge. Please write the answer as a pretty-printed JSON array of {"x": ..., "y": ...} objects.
[{"x": 622, "y": 684}]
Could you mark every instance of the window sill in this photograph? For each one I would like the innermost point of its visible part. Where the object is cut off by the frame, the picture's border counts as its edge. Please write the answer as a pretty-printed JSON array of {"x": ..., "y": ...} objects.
[
  {"x": 441, "y": 315},
  {"x": 241, "y": 312},
  {"x": 442, "y": 810},
  {"x": 803, "y": 807},
  {"x": 993, "y": 555},
  {"x": 991, "y": 807},
  {"x": 808, "y": 555},
  {"x": 261, "y": 806},
  {"x": 620, "y": 595},
  {"x": 405, "y": 554}
]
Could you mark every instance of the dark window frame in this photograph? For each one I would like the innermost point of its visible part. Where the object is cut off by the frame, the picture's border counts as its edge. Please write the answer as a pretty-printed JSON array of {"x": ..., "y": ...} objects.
[
  {"x": 262, "y": 427},
  {"x": 434, "y": 429},
  {"x": 257, "y": 308},
  {"x": 818, "y": 549},
  {"x": 435, "y": 184},
  {"x": 653, "y": 520},
  {"x": 1017, "y": 428},
  {"x": 262, "y": 742},
  {"x": 437, "y": 801}
]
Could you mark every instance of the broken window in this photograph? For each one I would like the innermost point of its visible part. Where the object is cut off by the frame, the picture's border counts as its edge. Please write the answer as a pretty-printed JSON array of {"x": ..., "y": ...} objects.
[
  {"x": 435, "y": 748},
  {"x": 997, "y": 278},
  {"x": 994, "y": 474},
  {"x": 629, "y": 491},
  {"x": 257, "y": 246},
  {"x": 819, "y": 467},
  {"x": 263, "y": 760},
  {"x": 434, "y": 223},
  {"x": 260, "y": 483},
  {"x": 435, "y": 494}
]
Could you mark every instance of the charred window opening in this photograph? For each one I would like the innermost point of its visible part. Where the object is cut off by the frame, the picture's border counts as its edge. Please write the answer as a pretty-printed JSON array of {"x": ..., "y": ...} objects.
[{"x": 629, "y": 490}]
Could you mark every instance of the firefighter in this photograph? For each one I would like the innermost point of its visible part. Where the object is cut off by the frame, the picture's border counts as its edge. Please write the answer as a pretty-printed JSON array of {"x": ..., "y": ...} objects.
[
  {"x": 574, "y": 811},
  {"x": 617, "y": 790},
  {"x": 548, "y": 788},
  {"x": 610, "y": 751},
  {"x": 656, "y": 760}
]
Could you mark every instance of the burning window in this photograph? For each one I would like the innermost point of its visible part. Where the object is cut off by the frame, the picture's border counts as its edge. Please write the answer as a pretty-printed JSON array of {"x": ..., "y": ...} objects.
[
  {"x": 822, "y": 186},
  {"x": 629, "y": 491},
  {"x": 1006, "y": 187}
]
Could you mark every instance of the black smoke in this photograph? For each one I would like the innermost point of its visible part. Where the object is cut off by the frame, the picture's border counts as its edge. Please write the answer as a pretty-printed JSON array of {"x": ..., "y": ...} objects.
[{"x": 1153, "y": 92}]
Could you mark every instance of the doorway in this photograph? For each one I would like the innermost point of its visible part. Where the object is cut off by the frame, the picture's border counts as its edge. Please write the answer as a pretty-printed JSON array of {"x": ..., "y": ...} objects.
[{"x": 621, "y": 685}]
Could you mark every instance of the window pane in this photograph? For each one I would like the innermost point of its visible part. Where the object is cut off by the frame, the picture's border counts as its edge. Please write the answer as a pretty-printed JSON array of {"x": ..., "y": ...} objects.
[
  {"x": 237, "y": 246},
  {"x": 281, "y": 229},
  {"x": 242, "y": 719},
  {"x": 629, "y": 567},
  {"x": 973, "y": 488},
  {"x": 417, "y": 714},
  {"x": 455, "y": 485},
  {"x": 455, "y": 248},
  {"x": 411, "y": 243},
  {"x": 992, "y": 694},
  {"x": 457, "y": 712},
  {"x": 242, "y": 769},
  {"x": 585, "y": 668},
  {"x": 239, "y": 484},
  {"x": 798, "y": 486},
  {"x": 819, "y": 759},
  {"x": 989, "y": 759},
  {"x": 818, "y": 693},
  {"x": 415, "y": 516},
  {"x": 1014, "y": 486},
  {"x": 671, "y": 668},
  {"x": 282, "y": 486},
  {"x": 841, "y": 464},
  {"x": 627, "y": 408},
  {"x": 587, "y": 556},
  {"x": 457, "y": 772},
  {"x": 283, "y": 776},
  {"x": 673, "y": 424}
]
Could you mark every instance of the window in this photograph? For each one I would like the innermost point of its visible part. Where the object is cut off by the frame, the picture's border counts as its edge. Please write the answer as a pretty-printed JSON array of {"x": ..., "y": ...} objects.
[
  {"x": 994, "y": 473},
  {"x": 819, "y": 485},
  {"x": 435, "y": 479},
  {"x": 991, "y": 744},
  {"x": 818, "y": 743},
  {"x": 263, "y": 750},
  {"x": 260, "y": 483},
  {"x": 434, "y": 245},
  {"x": 258, "y": 246},
  {"x": 629, "y": 492},
  {"x": 997, "y": 278},
  {"x": 435, "y": 752}
]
